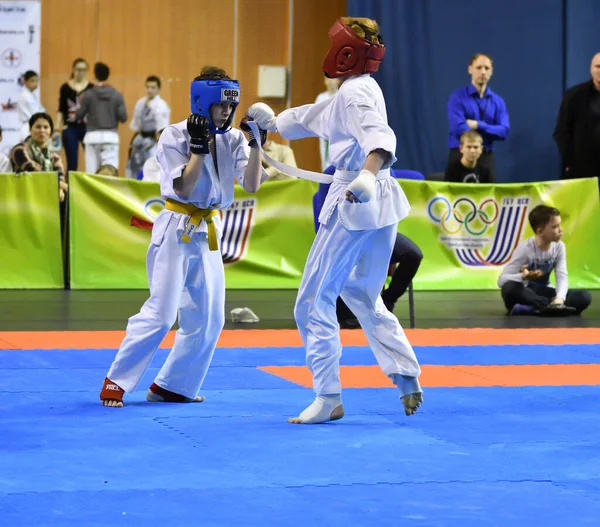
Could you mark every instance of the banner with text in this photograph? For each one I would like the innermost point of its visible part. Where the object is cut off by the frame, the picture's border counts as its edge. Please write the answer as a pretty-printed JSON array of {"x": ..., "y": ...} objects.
[
  {"x": 20, "y": 29},
  {"x": 30, "y": 237},
  {"x": 467, "y": 232},
  {"x": 265, "y": 243}
]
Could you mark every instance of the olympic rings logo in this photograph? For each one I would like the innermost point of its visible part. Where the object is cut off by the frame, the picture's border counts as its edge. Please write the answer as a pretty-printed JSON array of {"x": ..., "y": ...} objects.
[
  {"x": 153, "y": 206},
  {"x": 464, "y": 213}
]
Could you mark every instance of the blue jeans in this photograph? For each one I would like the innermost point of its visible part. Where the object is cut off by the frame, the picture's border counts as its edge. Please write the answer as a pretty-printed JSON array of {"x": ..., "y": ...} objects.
[{"x": 71, "y": 137}]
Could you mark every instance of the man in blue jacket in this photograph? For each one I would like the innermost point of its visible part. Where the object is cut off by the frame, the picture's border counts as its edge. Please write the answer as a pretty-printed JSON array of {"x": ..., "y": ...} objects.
[{"x": 476, "y": 107}]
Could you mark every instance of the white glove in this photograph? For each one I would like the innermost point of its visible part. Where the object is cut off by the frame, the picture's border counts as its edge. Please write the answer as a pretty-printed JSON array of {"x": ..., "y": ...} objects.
[
  {"x": 263, "y": 115},
  {"x": 363, "y": 187}
]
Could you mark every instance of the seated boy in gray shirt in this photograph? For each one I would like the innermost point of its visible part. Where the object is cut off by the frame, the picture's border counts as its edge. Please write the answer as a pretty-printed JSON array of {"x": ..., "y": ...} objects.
[{"x": 525, "y": 281}]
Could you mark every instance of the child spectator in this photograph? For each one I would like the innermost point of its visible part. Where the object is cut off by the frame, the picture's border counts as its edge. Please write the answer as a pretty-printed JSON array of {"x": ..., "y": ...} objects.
[
  {"x": 525, "y": 281},
  {"x": 5, "y": 164},
  {"x": 469, "y": 169}
]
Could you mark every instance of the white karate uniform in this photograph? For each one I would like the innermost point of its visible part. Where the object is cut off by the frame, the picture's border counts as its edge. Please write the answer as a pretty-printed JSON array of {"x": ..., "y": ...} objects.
[
  {"x": 151, "y": 117},
  {"x": 159, "y": 118},
  {"x": 101, "y": 148},
  {"x": 352, "y": 250},
  {"x": 151, "y": 170},
  {"x": 5, "y": 164},
  {"x": 323, "y": 143},
  {"x": 27, "y": 104},
  {"x": 186, "y": 279}
]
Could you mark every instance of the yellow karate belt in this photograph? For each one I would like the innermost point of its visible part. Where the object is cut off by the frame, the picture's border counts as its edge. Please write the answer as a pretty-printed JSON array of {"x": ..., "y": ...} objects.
[{"x": 196, "y": 216}]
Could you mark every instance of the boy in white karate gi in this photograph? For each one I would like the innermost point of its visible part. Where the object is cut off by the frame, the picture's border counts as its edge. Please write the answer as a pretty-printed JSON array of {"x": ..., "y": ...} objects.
[
  {"x": 199, "y": 160},
  {"x": 28, "y": 103},
  {"x": 359, "y": 219}
]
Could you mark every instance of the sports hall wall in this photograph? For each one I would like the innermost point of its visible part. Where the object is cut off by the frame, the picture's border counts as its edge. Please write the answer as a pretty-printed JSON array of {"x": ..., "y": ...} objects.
[
  {"x": 539, "y": 47},
  {"x": 174, "y": 39}
]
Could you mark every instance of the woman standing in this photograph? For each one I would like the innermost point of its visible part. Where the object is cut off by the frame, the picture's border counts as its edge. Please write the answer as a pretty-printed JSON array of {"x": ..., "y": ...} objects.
[{"x": 73, "y": 130}]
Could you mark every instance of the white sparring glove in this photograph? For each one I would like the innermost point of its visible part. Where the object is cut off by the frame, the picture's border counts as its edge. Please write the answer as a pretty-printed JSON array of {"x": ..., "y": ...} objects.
[
  {"x": 363, "y": 187},
  {"x": 263, "y": 115}
]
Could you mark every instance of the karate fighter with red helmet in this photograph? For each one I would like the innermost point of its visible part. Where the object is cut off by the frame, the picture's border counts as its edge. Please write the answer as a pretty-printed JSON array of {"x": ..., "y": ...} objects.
[{"x": 359, "y": 220}]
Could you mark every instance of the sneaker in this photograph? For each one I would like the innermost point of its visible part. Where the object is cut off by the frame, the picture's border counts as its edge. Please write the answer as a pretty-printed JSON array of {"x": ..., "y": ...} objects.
[
  {"x": 243, "y": 315},
  {"x": 556, "y": 310},
  {"x": 520, "y": 309}
]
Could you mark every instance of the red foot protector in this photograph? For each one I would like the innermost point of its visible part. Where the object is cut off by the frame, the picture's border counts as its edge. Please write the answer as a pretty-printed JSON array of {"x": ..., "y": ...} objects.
[
  {"x": 111, "y": 392},
  {"x": 167, "y": 396}
]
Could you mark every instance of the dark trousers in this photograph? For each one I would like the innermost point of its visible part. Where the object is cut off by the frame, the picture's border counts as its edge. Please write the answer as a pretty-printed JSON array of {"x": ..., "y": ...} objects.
[
  {"x": 408, "y": 256},
  {"x": 486, "y": 160},
  {"x": 71, "y": 137},
  {"x": 517, "y": 293}
]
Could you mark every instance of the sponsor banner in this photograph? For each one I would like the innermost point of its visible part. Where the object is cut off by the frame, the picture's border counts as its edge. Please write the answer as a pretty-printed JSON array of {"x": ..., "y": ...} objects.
[
  {"x": 467, "y": 232},
  {"x": 30, "y": 237},
  {"x": 266, "y": 236},
  {"x": 20, "y": 31}
]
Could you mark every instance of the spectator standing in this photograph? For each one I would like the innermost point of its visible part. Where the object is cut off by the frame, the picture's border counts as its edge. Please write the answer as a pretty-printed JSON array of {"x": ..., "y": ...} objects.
[
  {"x": 29, "y": 102},
  {"x": 5, "y": 164},
  {"x": 104, "y": 108},
  {"x": 73, "y": 130},
  {"x": 151, "y": 114},
  {"x": 577, "y": 131},
  {"x": 477, "y": 107}
]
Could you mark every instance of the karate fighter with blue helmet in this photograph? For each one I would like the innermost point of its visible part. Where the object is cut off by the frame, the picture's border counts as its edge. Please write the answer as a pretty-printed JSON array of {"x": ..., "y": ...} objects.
[{"x": 199, "y": 159}]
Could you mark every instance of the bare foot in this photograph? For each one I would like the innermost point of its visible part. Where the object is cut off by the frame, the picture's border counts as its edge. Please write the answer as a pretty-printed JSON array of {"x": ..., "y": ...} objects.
[
  {"x": 411, "y": 402},
  {"x": 323, "y": 409},
  {"x": 112, "y": 403},
  {"x": 337, "y": 413}
]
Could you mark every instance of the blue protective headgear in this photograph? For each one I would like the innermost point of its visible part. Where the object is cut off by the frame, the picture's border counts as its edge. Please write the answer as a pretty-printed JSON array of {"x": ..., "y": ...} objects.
[{"x": 205, "y": 93}]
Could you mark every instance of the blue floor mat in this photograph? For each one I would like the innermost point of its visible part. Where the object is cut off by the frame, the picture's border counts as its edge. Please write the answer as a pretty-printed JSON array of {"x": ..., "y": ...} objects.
[{"x": 471, "y": 457}]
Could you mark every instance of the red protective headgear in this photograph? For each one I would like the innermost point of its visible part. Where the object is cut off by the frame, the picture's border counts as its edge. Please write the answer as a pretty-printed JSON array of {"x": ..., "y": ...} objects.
[{"x": 350, "y": 54}]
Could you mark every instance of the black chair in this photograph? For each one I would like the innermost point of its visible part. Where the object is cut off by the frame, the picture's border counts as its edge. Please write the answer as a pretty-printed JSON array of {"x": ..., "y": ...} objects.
[{"x": 435, "y": 176}]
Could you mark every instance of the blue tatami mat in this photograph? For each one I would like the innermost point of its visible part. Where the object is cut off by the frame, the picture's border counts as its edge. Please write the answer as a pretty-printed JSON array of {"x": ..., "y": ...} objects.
[{"x": 519, "y": 456}]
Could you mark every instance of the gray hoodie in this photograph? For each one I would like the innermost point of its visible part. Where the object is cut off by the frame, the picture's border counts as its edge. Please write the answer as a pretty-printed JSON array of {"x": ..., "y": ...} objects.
[{"x": 104, "y": 107}]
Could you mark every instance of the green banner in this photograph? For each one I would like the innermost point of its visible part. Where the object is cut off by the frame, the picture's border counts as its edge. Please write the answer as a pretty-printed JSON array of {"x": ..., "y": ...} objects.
[
  {"x": 468, "y": 232},
  {"x": 30, "y": 237},
  {"x": 266, "y": 238}
]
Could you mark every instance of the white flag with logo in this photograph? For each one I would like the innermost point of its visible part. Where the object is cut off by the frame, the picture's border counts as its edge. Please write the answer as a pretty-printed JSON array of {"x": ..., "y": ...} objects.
[{"x": 20, "y": 28}]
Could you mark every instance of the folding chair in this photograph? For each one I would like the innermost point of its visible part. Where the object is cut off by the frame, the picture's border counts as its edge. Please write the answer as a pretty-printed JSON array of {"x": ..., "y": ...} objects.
[{"x": 411, "y": 297}]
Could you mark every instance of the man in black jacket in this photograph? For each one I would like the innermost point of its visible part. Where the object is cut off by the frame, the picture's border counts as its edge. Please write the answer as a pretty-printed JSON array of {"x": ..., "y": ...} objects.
[{"x": 577, "y": 131}]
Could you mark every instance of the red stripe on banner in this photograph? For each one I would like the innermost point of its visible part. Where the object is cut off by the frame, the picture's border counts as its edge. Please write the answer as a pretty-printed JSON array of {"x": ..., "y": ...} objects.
[{"x": 141, "y": 223}]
